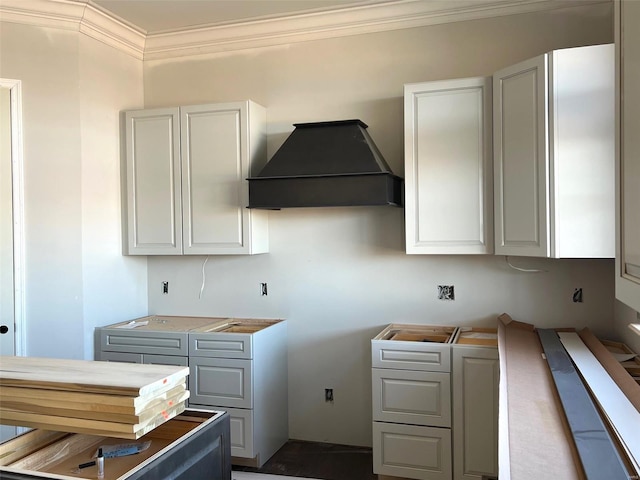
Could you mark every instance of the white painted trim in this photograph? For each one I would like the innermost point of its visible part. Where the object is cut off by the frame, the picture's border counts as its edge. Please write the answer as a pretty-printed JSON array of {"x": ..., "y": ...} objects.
[
  {"x": 626, "y": 286},
  {"x": 622, "y": 415},
  {"x": 78, "y": 15},
  {"x": 100, "y": 24},
  {"x": 15, "y": 95},
  {"x": 392, "y": 15}
]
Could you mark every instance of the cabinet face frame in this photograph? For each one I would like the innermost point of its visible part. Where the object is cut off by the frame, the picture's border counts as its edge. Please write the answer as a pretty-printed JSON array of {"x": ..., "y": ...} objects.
[
  {"x": 627, "y": 282},
  {"x": 446, "y": 158}
]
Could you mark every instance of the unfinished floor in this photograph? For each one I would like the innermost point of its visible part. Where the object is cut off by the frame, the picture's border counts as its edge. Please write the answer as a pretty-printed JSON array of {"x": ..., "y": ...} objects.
[{"x": 323, "y": 461}]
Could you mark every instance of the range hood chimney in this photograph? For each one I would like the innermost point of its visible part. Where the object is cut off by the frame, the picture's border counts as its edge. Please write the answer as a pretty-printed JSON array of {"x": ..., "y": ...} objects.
[{"x": 326, "y": 164}]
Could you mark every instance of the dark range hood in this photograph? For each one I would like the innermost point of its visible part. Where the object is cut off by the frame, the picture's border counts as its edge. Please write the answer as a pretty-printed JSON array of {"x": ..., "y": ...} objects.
[{"x": 326, "y": 164}]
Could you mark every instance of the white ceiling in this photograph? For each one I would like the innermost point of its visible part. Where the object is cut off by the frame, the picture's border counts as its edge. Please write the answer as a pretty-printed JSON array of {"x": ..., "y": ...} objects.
[{"x": 166, "y": 15}]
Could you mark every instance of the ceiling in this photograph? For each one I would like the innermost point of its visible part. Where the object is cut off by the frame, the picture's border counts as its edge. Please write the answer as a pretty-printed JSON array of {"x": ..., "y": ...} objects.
[{"x": 171, "y": 15}]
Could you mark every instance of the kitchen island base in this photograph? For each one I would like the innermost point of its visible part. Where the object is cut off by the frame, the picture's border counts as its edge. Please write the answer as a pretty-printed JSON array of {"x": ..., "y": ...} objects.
[{"x": 192, "y": 446}]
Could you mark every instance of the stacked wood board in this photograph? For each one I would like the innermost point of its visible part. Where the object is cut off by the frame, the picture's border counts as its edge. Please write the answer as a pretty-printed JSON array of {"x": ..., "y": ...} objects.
[{"x": 97, "y": 398}]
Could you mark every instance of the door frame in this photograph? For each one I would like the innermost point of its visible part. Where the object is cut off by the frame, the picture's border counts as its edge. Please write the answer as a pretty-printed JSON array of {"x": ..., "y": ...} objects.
[{"x": 15, "y": 94}]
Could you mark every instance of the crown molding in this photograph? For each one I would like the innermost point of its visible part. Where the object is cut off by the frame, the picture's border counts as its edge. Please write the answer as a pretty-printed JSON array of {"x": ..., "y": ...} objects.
[
  {"x": 337, "y": 23},
  {"x": 77, "y": 15},
  {"x": 91, "y": 20}
]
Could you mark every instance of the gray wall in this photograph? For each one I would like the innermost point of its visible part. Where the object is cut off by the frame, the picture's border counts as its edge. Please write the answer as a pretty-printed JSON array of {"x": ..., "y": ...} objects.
[
  {"x": 339, "y": 275},
  {"x": 76, "y": 278}
]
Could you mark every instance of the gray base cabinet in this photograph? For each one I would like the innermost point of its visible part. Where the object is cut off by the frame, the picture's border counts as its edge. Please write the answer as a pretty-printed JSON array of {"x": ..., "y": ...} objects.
[{"x": 235, "y": 365}]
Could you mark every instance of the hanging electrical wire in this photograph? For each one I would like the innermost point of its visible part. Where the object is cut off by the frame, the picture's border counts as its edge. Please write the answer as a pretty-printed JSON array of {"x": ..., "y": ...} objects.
[
  {"x": 204, "y": 277},
  {"x": 527, "y": 270}
]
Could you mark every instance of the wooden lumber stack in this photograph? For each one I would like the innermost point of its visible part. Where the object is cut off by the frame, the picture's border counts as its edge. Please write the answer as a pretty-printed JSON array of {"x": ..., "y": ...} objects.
[{"x": 112, "y": 399}]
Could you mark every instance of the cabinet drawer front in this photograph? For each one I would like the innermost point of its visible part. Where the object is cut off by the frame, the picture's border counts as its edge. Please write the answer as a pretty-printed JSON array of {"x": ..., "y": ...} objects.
[
  {"x": 221, "y": 345},
  {"x": 416, "y": 398},
  {"x": 410, "y": 356},
  {"x": 165, "y": 360},
  {"x": 409, "y": 451},
  {"x": 158, "y": 343},
  {"x": 221, "y": 381},
  {"x": 119, "y": 357}
]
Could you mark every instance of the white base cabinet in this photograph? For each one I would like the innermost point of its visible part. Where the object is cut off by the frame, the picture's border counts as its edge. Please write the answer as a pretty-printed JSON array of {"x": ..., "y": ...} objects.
[
  {"x": 435, "y": 402},
  {"x": 411, "y": 396},
  {"x": 448, "y": 167},
  {"x": 187, "y": 188},
  {"x": 554, "y": 155}
]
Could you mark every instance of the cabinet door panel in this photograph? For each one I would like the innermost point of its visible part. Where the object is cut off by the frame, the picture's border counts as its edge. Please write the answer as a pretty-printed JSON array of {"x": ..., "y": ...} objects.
[
  {"x": 475, "y": 411},
  {"x": 628, "y": 243},
  {"x": 448, "y": 177},
  {"x": 521, "y": 159},
  {"x": 153, "y": 182},
  {"x": 221, "y": 381},
  {"x": 416, "y": 398},
  {"x": 213, "y": 172},
  {"x": 410, "y": 451}
]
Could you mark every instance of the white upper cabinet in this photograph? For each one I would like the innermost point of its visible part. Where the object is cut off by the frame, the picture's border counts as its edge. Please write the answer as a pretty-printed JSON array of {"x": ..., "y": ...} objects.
[
  {"x": 187, "y": 171},
  {"x": 554, "y": 155},
  {"x": 627, "y": 15},
  {"x": 448, "y": 176}
]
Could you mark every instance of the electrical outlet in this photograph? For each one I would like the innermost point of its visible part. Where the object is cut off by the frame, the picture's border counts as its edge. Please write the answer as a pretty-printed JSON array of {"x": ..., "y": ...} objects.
[
  {"x": 263, "y": 289},
  {"x": 165, "y": 288},
  {"x": 445, "y": 292},
  {"x": 328, "y": 394},
  {"x": 577, "y": 295}
]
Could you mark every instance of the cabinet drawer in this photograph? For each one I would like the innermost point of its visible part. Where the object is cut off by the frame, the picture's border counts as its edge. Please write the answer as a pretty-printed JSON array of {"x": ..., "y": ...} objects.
[
  {"x": 434, "y": 357},
  {"x": 241, "y": 431},
  {"x": 165, "y": 360},
  {"x": 224, "y": 382},
  {"x": 120, "y": 357},
  {"x": 412, "y": 397},
  {"x": 411, "y": 451},
  {"x": 221, "y": 345},
  {"x": 158, "y": 343}
]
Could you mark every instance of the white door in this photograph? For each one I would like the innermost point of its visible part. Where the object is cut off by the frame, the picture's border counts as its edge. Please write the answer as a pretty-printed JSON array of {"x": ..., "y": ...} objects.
[
  {"x": 214, "y": 168},
  {"x": 154, "y": 211},
  {"x": 7, "y": 331},
  {"x": 448, "y": 177},
  {"x": 521, "y": 161},
  {"x": 11, "y": 251}
]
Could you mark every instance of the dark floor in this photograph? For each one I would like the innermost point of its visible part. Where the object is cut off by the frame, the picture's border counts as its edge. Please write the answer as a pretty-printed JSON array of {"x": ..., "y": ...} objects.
[{"x": 325, "y": 461}]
